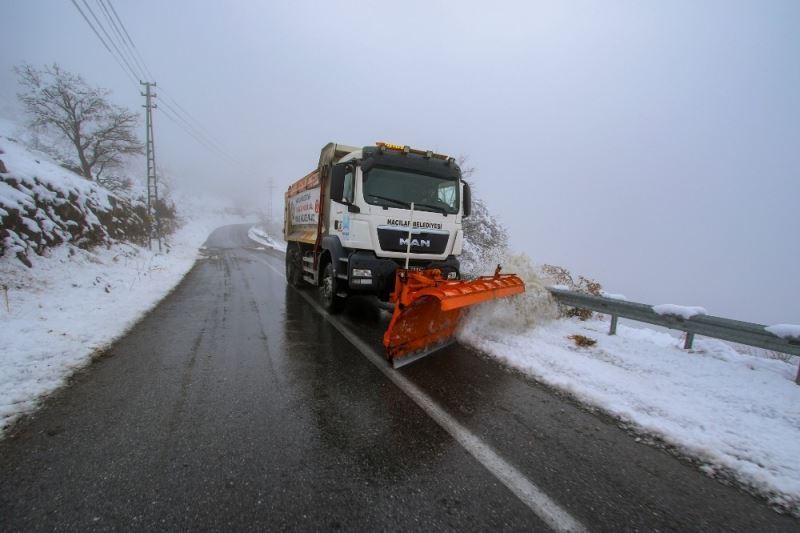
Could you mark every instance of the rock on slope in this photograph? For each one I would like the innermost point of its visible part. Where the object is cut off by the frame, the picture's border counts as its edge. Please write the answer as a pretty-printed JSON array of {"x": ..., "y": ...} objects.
[{"x": 43, "y": 205}]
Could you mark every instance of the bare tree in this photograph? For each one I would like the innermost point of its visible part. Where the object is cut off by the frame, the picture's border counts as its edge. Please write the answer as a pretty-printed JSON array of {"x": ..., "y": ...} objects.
[
  {"x": 101, "y": 133},
  {"x": 481, "y": 228},
  {"x": 467, "y": 168}
]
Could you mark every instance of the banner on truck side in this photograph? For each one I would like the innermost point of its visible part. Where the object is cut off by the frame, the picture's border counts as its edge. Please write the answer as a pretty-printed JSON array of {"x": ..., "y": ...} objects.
[{"x": 304, "y": 208}]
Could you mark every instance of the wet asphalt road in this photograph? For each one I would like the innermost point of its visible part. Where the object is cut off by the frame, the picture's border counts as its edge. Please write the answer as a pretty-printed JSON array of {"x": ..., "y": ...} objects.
[{"x": 236, "y": 405}]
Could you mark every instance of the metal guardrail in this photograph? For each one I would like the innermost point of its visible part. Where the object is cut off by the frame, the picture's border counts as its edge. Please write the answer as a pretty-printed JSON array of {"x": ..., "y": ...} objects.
[{"x": 706, "y": 325}]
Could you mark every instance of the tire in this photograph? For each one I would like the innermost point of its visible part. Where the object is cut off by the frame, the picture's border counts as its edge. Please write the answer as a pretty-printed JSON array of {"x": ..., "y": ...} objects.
[
  {"x": 294, "y": 270},
  {"x": 327, "y": 290}
]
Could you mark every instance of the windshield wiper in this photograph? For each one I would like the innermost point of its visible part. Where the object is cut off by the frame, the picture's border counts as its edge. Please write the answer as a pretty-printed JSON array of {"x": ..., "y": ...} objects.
[
  {"x": 407, "y": 205},
  {"x": 439, "y": 208},
  {"x": 399, "y": 202}
]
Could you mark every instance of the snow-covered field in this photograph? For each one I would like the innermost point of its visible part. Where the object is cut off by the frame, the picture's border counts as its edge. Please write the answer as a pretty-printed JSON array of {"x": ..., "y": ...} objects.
[{"x": 738, "y": 414}]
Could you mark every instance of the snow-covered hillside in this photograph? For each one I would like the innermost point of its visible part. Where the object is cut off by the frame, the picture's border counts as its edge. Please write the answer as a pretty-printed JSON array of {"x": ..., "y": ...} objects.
[
  {"x": 72, "y": 302},
  {"x": 43, "y": 205}
]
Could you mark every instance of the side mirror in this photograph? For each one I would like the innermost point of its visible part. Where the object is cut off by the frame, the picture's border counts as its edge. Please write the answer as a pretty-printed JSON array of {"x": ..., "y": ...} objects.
[
  {"x": 337, "y": 182},
  {"x": 467, "y": 199}
]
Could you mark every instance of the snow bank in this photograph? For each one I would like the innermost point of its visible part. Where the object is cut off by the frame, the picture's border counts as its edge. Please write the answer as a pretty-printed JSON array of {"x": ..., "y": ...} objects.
[
  {"x": 785, "y": 331},
  {"x": 684, "y": 311},
  {"x": 738, "y": 413},
  {"x": 259, "y": 234}
]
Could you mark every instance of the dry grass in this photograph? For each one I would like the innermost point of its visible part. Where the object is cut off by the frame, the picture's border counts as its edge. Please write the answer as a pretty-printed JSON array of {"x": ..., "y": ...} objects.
[
  {"x": 561, "y": 276},
  {"x": 582, "y": 341}
]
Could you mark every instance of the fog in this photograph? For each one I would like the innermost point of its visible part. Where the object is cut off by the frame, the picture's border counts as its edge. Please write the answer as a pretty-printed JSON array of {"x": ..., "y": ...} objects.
[{"x": 652, "y": 146}]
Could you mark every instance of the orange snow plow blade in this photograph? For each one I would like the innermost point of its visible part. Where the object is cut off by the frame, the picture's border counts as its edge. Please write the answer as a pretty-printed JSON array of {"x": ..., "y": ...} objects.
[{"x": 428, "y": 309}]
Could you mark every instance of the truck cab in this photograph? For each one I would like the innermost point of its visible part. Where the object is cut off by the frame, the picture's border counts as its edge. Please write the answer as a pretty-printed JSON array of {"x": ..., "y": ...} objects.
[{"x": 365, "y": 225}]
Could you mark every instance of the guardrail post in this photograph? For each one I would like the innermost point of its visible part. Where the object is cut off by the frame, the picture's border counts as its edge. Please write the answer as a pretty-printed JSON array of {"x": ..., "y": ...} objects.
[
  {"x": 613, "y": 329},
  {"x": 687, "y": 345}
]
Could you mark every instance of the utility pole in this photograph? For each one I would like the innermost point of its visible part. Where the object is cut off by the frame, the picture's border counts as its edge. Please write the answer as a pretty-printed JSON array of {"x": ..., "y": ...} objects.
[{"x": 152, "y": 183}]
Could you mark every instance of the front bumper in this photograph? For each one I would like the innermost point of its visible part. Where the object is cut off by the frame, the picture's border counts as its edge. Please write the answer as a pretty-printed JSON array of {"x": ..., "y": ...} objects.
[{"x": 383, "y": 271}]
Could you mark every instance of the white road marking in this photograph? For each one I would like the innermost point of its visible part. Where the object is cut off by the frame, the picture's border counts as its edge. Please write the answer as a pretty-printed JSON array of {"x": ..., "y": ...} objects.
[{"x": 531, "y": 495}]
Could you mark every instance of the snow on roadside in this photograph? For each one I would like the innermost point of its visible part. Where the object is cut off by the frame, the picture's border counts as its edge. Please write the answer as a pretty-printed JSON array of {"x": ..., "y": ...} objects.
[
  {"x": 613, "y": 295},
  {"x": 683, "y": 311},
  {"x": 74, "y": 302},
  {"x": 738, "y": 413},
  {"x": 259, "y": 234},
  {"x": 785, "y": 331}
]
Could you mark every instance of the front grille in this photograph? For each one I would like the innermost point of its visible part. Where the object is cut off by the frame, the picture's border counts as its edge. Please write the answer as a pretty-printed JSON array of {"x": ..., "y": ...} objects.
[{"x": 422, "y": 242}]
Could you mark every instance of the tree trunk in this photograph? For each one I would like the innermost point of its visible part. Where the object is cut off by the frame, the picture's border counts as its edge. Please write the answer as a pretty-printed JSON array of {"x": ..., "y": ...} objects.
[{"x": 86, "y": 170}]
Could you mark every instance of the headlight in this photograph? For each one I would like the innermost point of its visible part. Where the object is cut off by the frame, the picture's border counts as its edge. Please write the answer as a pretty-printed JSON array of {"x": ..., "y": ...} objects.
[
  {"x": 362, "y": 273},
  {"x": 452, "y": 275}
]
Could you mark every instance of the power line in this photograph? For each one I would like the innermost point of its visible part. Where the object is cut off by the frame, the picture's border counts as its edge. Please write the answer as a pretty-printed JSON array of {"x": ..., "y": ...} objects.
[
  {"x": 121, "y": 40},
  {"x": 174, "y": 111},
  {"x": 209, "y": 142},
  {"x": 175, "y": 120},
  {"x": 178, "y": 111},
  {"x": 121, "y": 25},
  {"x": 128, "y": 35},
  {"x": 133, "y": 79},
  {"x": 187, "y": 114},
  {"x": 100, "y": 25},
  {"x": 125, "y": 41}
]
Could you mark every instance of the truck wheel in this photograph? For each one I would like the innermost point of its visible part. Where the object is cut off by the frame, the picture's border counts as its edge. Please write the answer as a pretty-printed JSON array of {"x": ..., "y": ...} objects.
[
  {"x": 327, "y": 291},
  {"x": 293, "y": 266}
]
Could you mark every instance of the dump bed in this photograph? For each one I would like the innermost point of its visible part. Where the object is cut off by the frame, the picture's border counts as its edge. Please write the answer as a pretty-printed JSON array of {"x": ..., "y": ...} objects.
[
  {"x": 302, "y": 201},
  {"x": 302, "y": 209}
]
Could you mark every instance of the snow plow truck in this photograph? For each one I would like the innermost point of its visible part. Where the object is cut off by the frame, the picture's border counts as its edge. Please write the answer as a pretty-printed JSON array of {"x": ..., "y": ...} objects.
[{"x": 385, "y": 220}]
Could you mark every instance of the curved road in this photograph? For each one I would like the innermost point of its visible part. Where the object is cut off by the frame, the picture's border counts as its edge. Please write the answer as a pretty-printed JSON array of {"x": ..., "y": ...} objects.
[{"x": 236, "y": 404}]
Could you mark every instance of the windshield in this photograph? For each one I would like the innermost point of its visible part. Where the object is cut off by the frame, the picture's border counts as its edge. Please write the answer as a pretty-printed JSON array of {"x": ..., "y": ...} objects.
[{"x": 394, "y": 187}]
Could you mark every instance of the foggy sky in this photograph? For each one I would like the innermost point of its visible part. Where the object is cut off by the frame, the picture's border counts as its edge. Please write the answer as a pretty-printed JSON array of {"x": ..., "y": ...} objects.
[{"x": 654, "y": 146}]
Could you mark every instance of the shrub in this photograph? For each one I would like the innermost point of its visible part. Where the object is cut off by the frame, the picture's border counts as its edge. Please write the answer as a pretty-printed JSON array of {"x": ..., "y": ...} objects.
[{"x": 559, "y": 275}]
